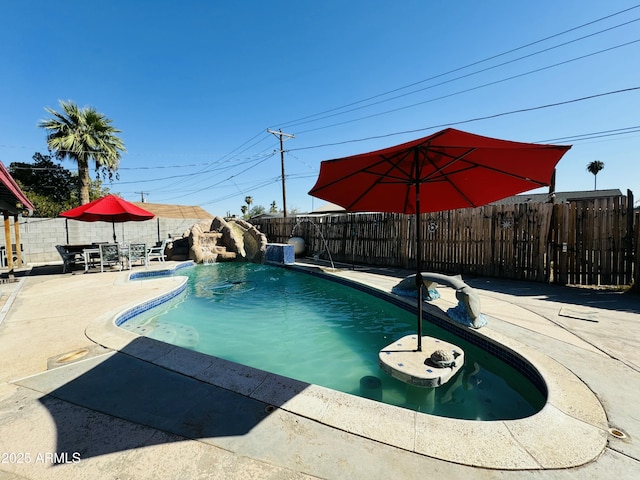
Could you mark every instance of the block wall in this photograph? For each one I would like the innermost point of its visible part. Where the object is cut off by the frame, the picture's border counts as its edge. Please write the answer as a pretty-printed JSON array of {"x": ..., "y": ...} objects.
[{"x": 39, "y": 236}]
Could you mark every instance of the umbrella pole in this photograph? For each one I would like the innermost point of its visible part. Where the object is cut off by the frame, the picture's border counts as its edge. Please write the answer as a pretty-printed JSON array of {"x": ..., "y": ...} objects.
[{"x": 418, "y": 250}]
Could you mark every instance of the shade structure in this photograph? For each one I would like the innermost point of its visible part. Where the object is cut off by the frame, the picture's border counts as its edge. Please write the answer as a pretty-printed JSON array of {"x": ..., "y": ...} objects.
[
  {"x": 109, "y": 208},
  {"x": 447, "y": 170}
]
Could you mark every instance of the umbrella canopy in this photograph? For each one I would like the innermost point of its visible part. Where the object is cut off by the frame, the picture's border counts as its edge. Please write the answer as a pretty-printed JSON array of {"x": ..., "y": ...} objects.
[
  {"x": 447, "y": 170},
  {"x": 457, "y": 169},
  {"x": 109, "y": 208}
]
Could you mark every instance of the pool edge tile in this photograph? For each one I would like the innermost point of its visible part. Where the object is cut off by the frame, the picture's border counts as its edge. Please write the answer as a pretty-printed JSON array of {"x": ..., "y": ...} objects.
[
  {"x": 482, "y": 444},
  {"x": 558, "y": 440}
]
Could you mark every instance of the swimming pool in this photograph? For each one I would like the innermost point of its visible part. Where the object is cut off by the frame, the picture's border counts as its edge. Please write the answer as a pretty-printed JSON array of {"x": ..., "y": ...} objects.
[{"x": 321, "y": 332}]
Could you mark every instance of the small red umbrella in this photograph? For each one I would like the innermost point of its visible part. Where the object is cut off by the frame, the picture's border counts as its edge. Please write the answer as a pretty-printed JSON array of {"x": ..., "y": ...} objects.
[
  {"x": 109, "y": 208},
  {"x": 447, "y": 170}
]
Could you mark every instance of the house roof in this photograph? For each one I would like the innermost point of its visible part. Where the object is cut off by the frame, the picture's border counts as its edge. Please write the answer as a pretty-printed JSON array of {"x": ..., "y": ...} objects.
[
  {"x": 269, "y": 215},
  {"x": 329, "y": 208},
  {"x": 11, "y": 195},
  {"x": 560, "y": 197},
  {"x": 175, "y": 211}
]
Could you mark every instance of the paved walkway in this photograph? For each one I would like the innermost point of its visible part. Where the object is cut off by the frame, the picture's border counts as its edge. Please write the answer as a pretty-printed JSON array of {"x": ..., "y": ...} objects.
[{"x": 73, "y": 408}]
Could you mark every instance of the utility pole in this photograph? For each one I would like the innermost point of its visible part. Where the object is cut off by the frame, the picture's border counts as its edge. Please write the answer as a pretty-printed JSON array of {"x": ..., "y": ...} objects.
[
  {"x": 142, "y": 194},
  {"x": 284, "y": 190}
]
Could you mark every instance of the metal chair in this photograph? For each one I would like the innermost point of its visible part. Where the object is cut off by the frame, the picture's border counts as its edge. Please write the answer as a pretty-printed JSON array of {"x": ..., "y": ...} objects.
[
  {"x": 109, "y": 255},
  {"x": 69, "y": 259},
  {"x": 138, "y": 253},
  {"x": 4, "y": 260}
]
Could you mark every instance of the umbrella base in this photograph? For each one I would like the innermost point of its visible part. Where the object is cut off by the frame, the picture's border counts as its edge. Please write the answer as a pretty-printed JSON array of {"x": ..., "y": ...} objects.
[{"x": 402, "y": 361}]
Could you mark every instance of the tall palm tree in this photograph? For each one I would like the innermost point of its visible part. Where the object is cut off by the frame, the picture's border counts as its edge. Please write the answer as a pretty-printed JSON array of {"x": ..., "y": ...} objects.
[
  {"x": 83, "y": 135},
  {"x": 595, "y": 167},
  {"x": 246, "y": 209}
]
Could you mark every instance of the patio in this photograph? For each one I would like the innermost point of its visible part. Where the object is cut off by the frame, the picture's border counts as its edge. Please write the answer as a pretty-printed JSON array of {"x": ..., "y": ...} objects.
[{"x": 284, "y": 445}]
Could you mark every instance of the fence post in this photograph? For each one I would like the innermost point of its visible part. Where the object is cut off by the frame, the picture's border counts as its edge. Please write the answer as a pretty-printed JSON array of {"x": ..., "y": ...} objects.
[
  {"x": 630, "y": 253},
  {"x": 636, "y": 245},
  {"x": 563, "y": 243}
]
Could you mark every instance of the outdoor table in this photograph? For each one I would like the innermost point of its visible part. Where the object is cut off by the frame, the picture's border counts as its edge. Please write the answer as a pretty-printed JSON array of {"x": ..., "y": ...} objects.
[
  {"x": 78, "y": 248},
  {"x": 89, "y": 254}
]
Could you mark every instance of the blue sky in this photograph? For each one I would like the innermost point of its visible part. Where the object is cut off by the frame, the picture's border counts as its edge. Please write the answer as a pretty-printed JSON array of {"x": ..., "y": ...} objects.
[{"x": 194, "y": 86}]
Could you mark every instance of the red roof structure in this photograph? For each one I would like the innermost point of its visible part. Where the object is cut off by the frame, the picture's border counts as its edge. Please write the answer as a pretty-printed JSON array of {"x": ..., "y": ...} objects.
[{"x": 12, "y": 199}]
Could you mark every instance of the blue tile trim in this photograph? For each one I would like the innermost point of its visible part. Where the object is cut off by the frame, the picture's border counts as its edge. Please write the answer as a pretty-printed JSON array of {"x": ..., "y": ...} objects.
[
  {"x": 149, "y": 305},
  {"x": 160, "y": 273},
  {"x": 505, "y": 354}
]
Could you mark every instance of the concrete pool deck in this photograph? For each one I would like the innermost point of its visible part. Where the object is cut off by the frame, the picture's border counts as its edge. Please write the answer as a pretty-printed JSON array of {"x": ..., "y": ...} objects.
[{"x": 83, "y": 401}]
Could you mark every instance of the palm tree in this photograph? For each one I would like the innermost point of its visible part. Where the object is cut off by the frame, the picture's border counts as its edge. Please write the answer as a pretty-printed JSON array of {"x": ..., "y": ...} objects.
[
  {"x": 83, "y": 135},
  {"x": 595, "y": 167}
]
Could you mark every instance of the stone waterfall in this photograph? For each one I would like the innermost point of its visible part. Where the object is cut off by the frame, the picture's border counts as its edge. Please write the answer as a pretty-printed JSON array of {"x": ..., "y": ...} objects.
[{"x": 219, "y": 241}]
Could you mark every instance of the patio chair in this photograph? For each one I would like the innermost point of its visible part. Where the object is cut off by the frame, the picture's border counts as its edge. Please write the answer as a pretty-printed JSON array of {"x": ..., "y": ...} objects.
[
  {"x": 109, "y": 255},
  {"x": 69, "y": 258},
  {"x": 158, "y": 251},
  {"x": 3, "y": 255},
  {"x": 138, "y": 253}
]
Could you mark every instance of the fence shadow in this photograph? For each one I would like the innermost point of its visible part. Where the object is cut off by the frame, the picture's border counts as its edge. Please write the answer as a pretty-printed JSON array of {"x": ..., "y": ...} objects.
[{"x": 606, "y": 299}]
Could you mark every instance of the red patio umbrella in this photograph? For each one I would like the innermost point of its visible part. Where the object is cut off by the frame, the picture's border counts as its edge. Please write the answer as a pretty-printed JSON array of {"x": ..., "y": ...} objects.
[
  {"x": 446, "y": 170},
  {"x": 109, "y": 208}
]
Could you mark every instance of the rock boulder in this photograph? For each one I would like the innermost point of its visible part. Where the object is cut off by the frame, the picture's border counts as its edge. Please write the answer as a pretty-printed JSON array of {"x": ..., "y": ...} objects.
[{"x": 220, "y": 240}]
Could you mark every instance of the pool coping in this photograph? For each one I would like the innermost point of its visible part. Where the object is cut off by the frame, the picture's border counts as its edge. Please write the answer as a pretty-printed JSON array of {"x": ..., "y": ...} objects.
[{"x": 569, "y": 431}]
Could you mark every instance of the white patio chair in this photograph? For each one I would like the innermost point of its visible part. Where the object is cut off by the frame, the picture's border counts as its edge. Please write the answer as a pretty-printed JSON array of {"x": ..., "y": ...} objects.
[{"x": 158, "y": 251}]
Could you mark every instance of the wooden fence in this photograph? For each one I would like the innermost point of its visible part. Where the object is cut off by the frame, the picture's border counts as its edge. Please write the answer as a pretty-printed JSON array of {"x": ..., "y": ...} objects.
[{"x": 584, "y": 243}]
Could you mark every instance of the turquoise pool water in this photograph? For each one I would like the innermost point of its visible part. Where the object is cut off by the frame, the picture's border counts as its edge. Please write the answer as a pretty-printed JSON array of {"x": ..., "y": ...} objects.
[{"x": 321, "y": 332}]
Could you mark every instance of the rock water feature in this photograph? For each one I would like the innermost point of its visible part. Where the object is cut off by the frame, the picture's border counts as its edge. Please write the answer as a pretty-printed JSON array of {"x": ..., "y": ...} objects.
[{"x": 219, "y": 241}]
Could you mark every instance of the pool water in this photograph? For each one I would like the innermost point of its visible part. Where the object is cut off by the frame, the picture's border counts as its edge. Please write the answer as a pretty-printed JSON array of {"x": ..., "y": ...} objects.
[{"x": 321, "y": 332}]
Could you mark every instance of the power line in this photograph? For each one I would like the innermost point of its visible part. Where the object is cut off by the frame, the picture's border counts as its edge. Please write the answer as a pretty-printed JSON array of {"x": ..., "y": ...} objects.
[
  {"x": 578, "y": 137},
  {"x": 402, "y": 108},
  {"x": 493, "y": 57},
  {"x": 226, "y": 179},
  {"x": 467, "y": 90},
  {"x": 476, "y": 119},
  {"x": 483, "y": 70},
  {"x": 471, "y": 89},
  {"x": 210, "y": 167},
  {"x": 592, "y": 135},
  {"x": 253, "y": 188}
]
